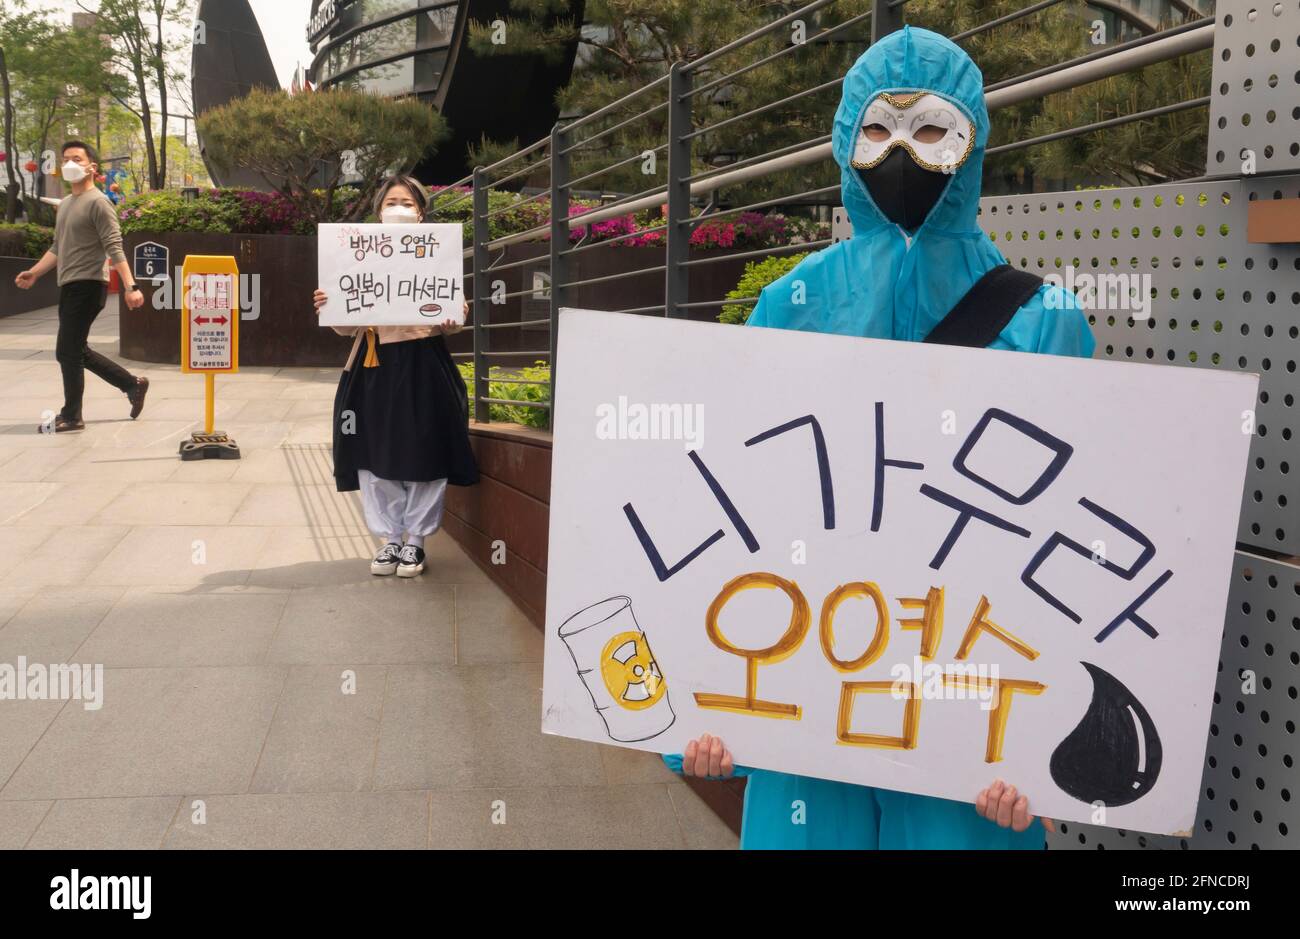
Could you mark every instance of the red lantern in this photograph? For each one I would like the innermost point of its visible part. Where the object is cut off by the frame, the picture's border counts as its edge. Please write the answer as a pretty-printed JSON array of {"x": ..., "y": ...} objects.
[{"x": 30, "y": 166}]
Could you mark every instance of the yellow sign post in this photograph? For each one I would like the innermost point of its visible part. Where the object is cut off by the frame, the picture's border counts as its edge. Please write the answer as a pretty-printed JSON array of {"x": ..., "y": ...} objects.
[{"x": 209, "y": 343}]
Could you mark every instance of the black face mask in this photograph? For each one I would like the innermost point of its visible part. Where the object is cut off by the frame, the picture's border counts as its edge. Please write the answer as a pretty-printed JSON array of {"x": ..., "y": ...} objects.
[{"x": 903, "y": 191}]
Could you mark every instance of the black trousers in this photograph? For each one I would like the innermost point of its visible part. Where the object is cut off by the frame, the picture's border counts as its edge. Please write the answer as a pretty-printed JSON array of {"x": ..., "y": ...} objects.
[{"x": 79, "y": 304}]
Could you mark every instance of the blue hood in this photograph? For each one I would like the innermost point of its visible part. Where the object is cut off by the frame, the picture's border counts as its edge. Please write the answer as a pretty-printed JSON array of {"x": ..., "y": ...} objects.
[
  {"x": 904, "y": 61},
  {"x": 874, "y": 284}
]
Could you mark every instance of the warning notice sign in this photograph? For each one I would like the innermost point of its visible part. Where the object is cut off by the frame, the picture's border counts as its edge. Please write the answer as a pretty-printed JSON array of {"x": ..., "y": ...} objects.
[{"x": 210, "y": 315}]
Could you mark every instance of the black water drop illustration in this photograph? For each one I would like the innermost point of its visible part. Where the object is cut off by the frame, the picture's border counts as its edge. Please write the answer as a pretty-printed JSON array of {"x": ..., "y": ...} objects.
[{"x": 1109, "y": 757}]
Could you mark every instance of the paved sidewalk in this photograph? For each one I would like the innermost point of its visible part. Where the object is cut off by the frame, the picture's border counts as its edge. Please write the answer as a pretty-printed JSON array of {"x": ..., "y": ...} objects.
[{"x": 229, "y": 602}]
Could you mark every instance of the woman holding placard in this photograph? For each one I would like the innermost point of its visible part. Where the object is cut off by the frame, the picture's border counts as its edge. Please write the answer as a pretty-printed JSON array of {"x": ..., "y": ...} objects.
[{"x": 401, "y": 421}]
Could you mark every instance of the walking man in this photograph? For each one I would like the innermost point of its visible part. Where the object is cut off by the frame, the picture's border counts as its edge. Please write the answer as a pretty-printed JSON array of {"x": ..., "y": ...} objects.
[{"x": 85, "y": 233}]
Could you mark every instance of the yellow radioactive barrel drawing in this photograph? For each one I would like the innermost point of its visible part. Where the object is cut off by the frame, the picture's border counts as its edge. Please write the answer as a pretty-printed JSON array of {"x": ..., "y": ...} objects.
[{"x": 614, "y": 661}]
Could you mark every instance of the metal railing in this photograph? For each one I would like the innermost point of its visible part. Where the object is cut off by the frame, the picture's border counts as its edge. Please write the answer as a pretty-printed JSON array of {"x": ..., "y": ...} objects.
[{"x": 547, "y": 165}]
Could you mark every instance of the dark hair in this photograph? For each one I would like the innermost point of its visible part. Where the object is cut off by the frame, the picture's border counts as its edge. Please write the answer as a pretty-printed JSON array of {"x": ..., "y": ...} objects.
[
  {"x": 411, "y": 183},
  {"x": 91, "y": 155}
]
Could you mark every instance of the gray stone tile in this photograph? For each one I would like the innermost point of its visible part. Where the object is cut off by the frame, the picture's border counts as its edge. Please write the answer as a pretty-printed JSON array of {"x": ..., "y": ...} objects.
[
  {"x": 323, "y": 737},
  {"x": 117, "y": 464},
  {"x": 446, "y": 563},
  {"x": 13, "y": 599},
  {"x": 18, "y": 820},
  {"x": 263, "y": 410},
  {"x": 27, "y": 410},
  {"x": 21, "y": 725},
  {"x": 175, "y": 503},
  {"x": 327, "y": 820},
  {"x": 17, "y": 498},
  {"x": 34, "y": 464},
  {"x": 305, "y": 504},
  {"x": 382, "y": 621},
  {"x": 161, "y": 731},
  {"x": 181, "y": 555},
  {"x": 70, "y": 504},
  {"x": 53, "y": 624},
  {"x": 490, "y": 628},
  {"x": 624, "y": 766},
  {"x": 574, "y": 818},
  {"x": 474, "y": 726},
  {"x": 269, "y": 465},
  {"x": 299, "y": 556},
  {"x": 104, "y": 824},
  {"x": 160, "y": 408},
  {"x": 67, "y": 556},
  {"x": 169, "y": 626}
]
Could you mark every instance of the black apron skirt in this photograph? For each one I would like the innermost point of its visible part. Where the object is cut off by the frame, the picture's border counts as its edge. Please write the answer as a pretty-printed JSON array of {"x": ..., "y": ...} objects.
[{"x": 408, "y": 416}]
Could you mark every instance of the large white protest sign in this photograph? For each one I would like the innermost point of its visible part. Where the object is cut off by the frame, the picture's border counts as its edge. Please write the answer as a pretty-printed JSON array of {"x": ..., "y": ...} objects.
[
  {"x": 911, "y": 566},
  {"x": 391, "y": 275}
]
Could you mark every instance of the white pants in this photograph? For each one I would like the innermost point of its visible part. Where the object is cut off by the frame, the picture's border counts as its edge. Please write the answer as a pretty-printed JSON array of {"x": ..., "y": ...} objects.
[{"x": 395, "y": 508}]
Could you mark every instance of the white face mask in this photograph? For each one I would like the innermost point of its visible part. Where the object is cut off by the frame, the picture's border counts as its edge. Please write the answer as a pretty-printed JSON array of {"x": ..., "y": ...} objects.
[
  {"x": 399, "y": 215},
  {"x": 74, "y": 172}
]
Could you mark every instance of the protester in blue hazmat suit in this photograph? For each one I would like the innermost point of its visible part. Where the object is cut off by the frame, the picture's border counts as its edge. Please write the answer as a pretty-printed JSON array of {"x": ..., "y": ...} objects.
[{"x": 909, "y": 137}]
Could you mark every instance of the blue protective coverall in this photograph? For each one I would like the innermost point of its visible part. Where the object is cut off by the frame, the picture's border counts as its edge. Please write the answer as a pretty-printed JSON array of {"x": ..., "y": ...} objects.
[{"x": 878, "y": 285}]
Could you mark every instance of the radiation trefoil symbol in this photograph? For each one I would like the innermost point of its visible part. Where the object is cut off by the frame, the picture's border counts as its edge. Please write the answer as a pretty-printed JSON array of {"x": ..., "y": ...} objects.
[
  {"x": 630, "y": 672},
  {"x": 630, "y": 694}
]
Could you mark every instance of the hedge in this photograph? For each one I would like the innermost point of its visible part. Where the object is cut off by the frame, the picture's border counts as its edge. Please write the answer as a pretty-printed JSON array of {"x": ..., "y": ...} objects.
[{"x": 25, "y": 240}]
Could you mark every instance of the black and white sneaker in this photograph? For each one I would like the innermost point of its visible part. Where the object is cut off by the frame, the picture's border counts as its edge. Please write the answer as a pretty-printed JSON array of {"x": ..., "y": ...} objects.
[
  {"x": 412, "y": 561},
  {"x": 386, "y": 560}
]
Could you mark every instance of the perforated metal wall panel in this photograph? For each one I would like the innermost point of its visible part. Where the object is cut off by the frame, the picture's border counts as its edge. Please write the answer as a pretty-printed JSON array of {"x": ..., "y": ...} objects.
[
  {"x": 1250, "y": 790},
  {"x": 1184, "y": 287},
  {"x": 1256, "y": 94},
  {"x": 1215, "y": 301}
]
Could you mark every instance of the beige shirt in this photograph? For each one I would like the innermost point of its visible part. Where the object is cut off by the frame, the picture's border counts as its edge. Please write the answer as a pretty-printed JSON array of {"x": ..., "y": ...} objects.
[
  {"x": 385, "y": 335},
  {"x": 86, "y": 231}
]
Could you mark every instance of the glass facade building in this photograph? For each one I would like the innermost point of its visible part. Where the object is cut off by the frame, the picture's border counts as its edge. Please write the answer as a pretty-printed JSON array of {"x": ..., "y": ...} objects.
[
  {"x": 376, "y": 52},
  {"x": 419, "y": 48}
]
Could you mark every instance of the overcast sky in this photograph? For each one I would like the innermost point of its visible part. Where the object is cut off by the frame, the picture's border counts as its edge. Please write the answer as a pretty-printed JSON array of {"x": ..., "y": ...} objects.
[{"x": 283, "y": 22}]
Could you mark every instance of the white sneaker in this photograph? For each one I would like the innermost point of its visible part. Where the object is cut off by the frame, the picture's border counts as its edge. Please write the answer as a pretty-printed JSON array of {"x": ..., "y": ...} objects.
[
  {"x": 386, "y": 560},
  {"x": 411, "y": 561}
]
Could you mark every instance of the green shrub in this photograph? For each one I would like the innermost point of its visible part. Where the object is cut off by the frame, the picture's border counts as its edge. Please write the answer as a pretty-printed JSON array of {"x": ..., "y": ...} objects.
[
  {"x": 758, "y": 274},
  {"x": 167, "y": 210},
  {"x": 539, "y": 418},
  {"x": 238, "y": 211},
  {"x": 25, "y": 240}
]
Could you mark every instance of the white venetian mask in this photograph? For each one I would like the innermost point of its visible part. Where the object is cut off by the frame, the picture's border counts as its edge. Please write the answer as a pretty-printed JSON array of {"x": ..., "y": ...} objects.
[{"x": 933, "y": 130}]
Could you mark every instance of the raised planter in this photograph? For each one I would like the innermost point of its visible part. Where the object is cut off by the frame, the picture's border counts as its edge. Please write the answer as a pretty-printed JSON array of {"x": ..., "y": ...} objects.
[
  {"x": 285, "y": 331},
  {"x": 14, "y": 301}
]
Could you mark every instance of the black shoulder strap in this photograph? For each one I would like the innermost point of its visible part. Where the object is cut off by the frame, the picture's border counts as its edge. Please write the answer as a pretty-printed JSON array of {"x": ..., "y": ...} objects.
[{"x": 984, "y": 312}]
